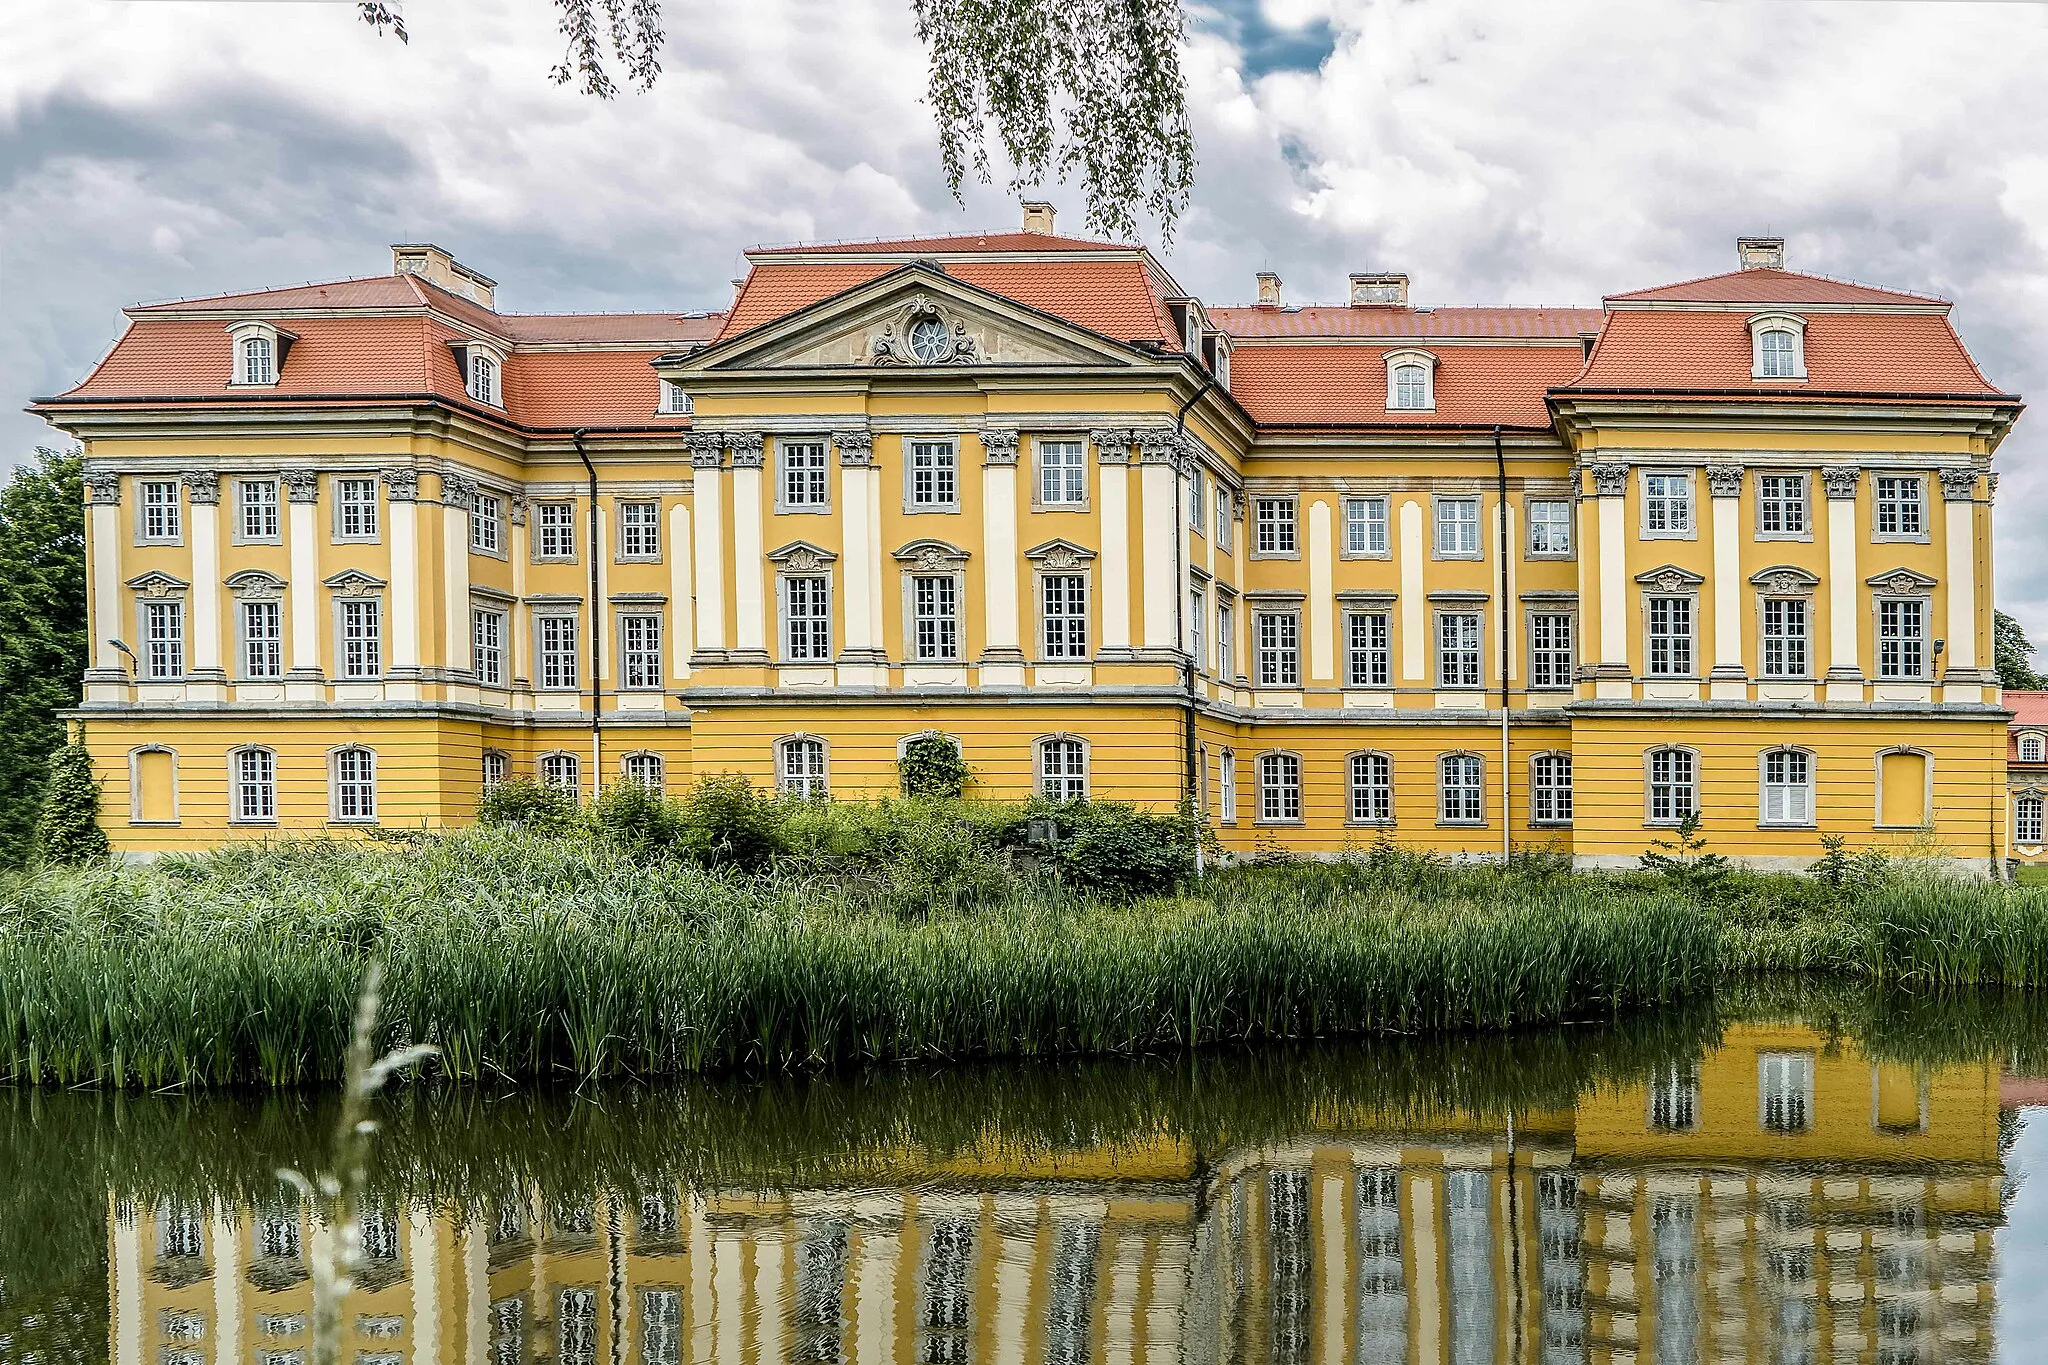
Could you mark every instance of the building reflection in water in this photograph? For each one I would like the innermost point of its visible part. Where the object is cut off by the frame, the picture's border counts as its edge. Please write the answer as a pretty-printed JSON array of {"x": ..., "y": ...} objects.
[{"x": 1784, "y": 1201}]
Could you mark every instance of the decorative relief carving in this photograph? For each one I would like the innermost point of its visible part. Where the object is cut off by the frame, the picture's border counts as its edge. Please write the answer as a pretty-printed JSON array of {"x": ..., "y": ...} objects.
[
  {"x": 856, "y": 448},
  {"x": 803, "y": 560},
  {"x": 202, "y": 487},
  {"x": 1957, "y": 485},
  {"x": 157, "y": 584},
  {"x": 746, "y": 447},
  {"x": 104, "y": 487},
  {"x": 1157, "y": 445},
  {"x": 1991, "y": 487},
  {"x": 1610, "y": 479},
  {"x": 254, "y": 585},
  {"x": 1841, "y": 480},
  {"x": 301, "y": 485},
  {"x": 517, "y": 510},
  {"x": 1000, "y": 444},
  {"x": 457, "y": 491},
  {"x": 1112, "y": 444},
  {"x": 707, "y": 449},
  {"x": 931, "y": 555},
  {"x": 1669, "y": 578},
  {"x": 1901, "y": 582},
  {"x": 401, "y": 485},
  {"x": 1061, "y": 558},
  {"x": 922, "y": 333},
  {"x": 1724, "y": 480},
  {"x": 355, "y": 583},
  {"x": 1784, "y": 580}
]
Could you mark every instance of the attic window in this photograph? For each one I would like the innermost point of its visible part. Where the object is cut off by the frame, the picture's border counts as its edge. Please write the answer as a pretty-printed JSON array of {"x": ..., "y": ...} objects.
[
  {"x": 258, "y": 354},
  {"x": 673, "y": 399},
  {"x": 1411, "y": 381},
  {"x": 482, "y": 372},
  {"x": 1777, "y": 346}
]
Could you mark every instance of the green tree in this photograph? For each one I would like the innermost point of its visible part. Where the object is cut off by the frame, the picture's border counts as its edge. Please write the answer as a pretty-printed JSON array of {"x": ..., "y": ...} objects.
[
  {"x": 2014, "y": 654},
  {"x": 43, "y": 646},
  {"x": 69, "y": 831},
  {"x": 1078, "y": 89}
]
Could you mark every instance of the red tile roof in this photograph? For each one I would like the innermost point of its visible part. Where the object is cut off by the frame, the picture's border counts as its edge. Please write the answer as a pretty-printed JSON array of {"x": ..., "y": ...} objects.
[
  {"x": 1008, "y": 240},
  {"x": 1846, "y": 353},
  {"x": 1338, "y": 320},
  {"x": 1764, "y": 285},
  {"x": 586, "y": 388},
  {"x": 2030, "y": 712},
  {"x": 1347, "y": 385},
  {"x": 164, "y": 356}
]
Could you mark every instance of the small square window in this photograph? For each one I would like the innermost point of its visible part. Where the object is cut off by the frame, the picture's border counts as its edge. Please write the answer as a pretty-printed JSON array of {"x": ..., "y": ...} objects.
[
  {"x": 1275, "y": 517},
  {"x": 1365, "y": 526},
  {"x": 1550, "y": 526},
  {"x": 487, "y": 524},
  {"x": 1781, "y": 505},
  {"x": 162, "y": 516},
  {"x": 1667, "y": 506},
  {"x": 257, "y": 511},
  {"x": 1457, "y": 528},
  {"x": 805, "y": 484},
  {"x": 640, "y": 530},
  {"x": 554, "y": 534},
  {"x": 934, "y": 475}
]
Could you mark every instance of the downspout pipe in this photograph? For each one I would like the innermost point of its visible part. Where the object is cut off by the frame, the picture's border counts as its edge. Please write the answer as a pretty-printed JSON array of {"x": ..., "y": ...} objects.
[
  {"x": 1500, "y": 462},
  {"x": 1190, "y": 777},
  {"x": 596, "y": 622}
]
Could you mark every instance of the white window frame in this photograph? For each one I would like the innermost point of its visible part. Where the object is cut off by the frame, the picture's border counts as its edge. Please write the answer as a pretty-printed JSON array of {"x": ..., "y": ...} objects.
[
  {"x": 2031, "y": 747},
  {"x": 349, "y": 504},
  {"x": 484, "y": 376},
  {"x": 2030, "y": 819},
  {"x": 1550, "y": 800},
  {"x": 1449, "y": 527},
  {"x": 1670, "y": 509},
  {"x": 1226, "y": 638},
  {"x": 1282, "y": 653},
  {"x": 265, "y": 507},
  {"x": 1060, "y": 467},
  {"x": 358, "y": 657},
  {"x": 255, "y": 360},
  {"x": 487, "y": 524},
  {"x": 547, "y": 658},
  {"x": 554, "y": 531},
  {"x": 1279, "y": 788},
  {"x": 1369, "y": 788},
  {"x": 163, "y": 650},
  {"x": 260, "y": 652},
  {"x": 639, "y": 531},
  {"x": 1786, "y": 787},
  {"x": 1789, "y": 367},
  {"x": 803, "y": 476},
  {"x": 1226, "y": 786},
  {"x": 1461, "y": 777},
  {"x": 494, "y": 622},
  {"x": 1365, "y": 527},
  {"x": 1774, "y": 502},
  {"x": 1885, "y": 499},
  {"x": 1784, "y": 1091},
  {"x": 675, "y": 400},
  {"x": 646, "y": 768},
  {"x": 1368, "y": 648},
  {"x": 1054, "y": 760},
  {"x": 1226, "y": 520},
  {"x": 1553, "y": 527},
  {"x": 1068, "y": 649},
  {"x": 252, "y": 797},
  {"x": 1918, "y": 643},
  {"x": 1407, "y": 391},
  {"x": 1775, "y": 643},
  {"x": 1198, "y": 503},
  {"x": 1673, "y": 1099},
  {"x": 806, "y": 784},
  {"x": 351, "y": 790},
  {"x": 1671, "y": 641},
  {"x": 1276, "y": 532},
  {"x": 640, "y": 661},
  {"x": 159, "y": 512},
  {"x": 931, "y": 474},
  {"x": 810, "y": 646},
  {"x": 1460, "y": 663},
  {"x": 1671, "y": 785},
  {"x": 948, "y": 628},
  {"x": 496, "y": 768},
  {"x": 560, "y": 770},
  {"x": 1552, "y": 649}
]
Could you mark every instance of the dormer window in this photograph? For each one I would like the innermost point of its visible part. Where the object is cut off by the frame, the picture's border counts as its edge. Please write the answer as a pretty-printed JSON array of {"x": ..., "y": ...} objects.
[
  {"x": 2033, "y": 748},
  {"x": 258, "y": 363},
  {"x": 1411, "y": 381},
  {"x": 1777, "y": 346},
  {"x": 259, "y": 353},
  {"x": 673, "y": 399},
  {"x": 482, "y": 372}
]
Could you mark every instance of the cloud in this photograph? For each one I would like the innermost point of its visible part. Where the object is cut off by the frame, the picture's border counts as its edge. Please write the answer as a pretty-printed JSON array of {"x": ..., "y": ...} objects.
[{"x": 1546, "y": 152}]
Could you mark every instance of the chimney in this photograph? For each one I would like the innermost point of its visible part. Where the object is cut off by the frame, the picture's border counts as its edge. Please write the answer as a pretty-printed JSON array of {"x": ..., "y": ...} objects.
[
  {"x": 1038, "y": 216},
  {"x": 1269, "y": 289},
  {"x": 434, "y": 265},
  {"x": 1387, "y": 289},
  {"x": 1760, "y": 253}
]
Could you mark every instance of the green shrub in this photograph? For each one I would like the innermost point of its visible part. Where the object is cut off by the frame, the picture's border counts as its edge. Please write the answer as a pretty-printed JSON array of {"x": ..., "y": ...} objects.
[
  {"x": 1113, "y": 851},
  {"x": 68, "y": 833},
  {"x": 724, "y": 822},
  {"x": 1684, "y": 860},
  {"x": 932, "y": 766},
  {"x": 639, "y": 821},
  {"x": 523, "y": 803}
]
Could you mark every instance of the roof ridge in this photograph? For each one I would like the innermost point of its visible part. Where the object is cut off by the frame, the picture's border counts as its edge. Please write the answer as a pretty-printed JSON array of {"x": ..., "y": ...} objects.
[
  {"x": 899, "y": 239},
  {"x": 1781, "y": 270},
  {"x": 249, "y": 293}
]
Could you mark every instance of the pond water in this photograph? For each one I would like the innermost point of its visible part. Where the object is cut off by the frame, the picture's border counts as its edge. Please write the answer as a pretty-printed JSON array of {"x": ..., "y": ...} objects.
[{"x": 1778, "y": 1178}]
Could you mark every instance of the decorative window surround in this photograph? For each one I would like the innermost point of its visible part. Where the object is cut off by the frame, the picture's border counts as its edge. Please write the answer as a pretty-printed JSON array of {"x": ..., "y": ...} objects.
[
  {"x": 259, "y": 353},
  {"x": 803, "y": 476},
  {"x": 1777, "y": 347},
  {"x": 1059, "y": 476},
  {"x": 1411, "y": 381},
  {"x": 1668, "y": 511}
]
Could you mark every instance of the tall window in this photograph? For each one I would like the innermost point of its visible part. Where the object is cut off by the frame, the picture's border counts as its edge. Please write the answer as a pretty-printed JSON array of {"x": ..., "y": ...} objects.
[
  {"x": 497, "y": 769},
  {"x": 355, "y": 509},
  {"x": 1198, "y": 617},
  {"x": 1788, "y": 787},
  {"x": 2027, "y": 824},
  {"x": 1279, "y": 636},
  {"x": 262, "y": 639},
  {"x": 640, "y": 530},
  {"x": 1781, "y": 504},
  {"x": 935, "y": 611},
  {"x": 1784, "y": 637},
  {"x": 257, "y": 502},
  {"x": 1901, "y": 638},
  {"x": 647, "y": 770},
  {"x": 1065, "y": 615},
  {"x": 1279, "y": 787},
  {"x": 163, "y": 631},
  {"x": 1226, "y": 643},
  {"x": 1777, "y": 354},
  {"x": 640, "y": 650},
  {"x": 1226, "y": 786},
  {"x": 559, "y": 668},
  {"x": 1372, "y": 789},
  {"x": 1225, "y": 519},
  {"x": 934, "y": 474},
  {"x": 355, "y": 784},
  {"x": 1275, "y": 533},
  {"x": 554, "y": 530},
  {"x": 362, "y": 639},
  {"x": 487, "y": 523},
  {"x": 1460, "y": 793},
  {"x": 1062, "y": 768},
  {"x": 1667, "y": 503},
  {"x": 1062, "y": 473},
  {"x": 1673, "y": 784},
  {"x": 803, "y": 473},
  {"x": 807, "y": 618},
  {"x": 255, "y": 784},
  {"x": 1457, "y": 526},
  {"x": 1368, "y": 659},
  {"x": 1550, "y": 783},
  {"x": 1670, "y": 639},
  {"x": 1674, "y": 1098},
  {"x": 1550, "y": 526},
  {"x": 1457, "y": 649},
  {"x": 1411, "y": 389},
  {"x": 661, "y": 1327},
  {"x": 562, "y": 772},
  {"x": 800, "y": 767},
  {"x": 258, "y": 365},
  {"x": 1365, "y": 526},
  {"x": 1197, "y": 504},
  {"x": 1550, "y": 649},
  {"x": 483, "y": 377},
  {"x": 487, "y": 645},
  {"x": 1785, "y": 1091},
  {"x": 577, "y": 1327},
  {"x": 161, "y": 521},
  {"x": 1900, "y": 505}
]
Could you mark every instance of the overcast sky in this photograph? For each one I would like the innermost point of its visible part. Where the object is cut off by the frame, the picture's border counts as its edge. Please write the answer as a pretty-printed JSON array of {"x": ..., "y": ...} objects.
[{"x": 1500, "y": 151}]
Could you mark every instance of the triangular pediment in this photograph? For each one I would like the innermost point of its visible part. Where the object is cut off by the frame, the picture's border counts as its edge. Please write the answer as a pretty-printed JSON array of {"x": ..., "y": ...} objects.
[
  {"x": 1670, "y": 578},
  {"x": 914, "y": 319}
]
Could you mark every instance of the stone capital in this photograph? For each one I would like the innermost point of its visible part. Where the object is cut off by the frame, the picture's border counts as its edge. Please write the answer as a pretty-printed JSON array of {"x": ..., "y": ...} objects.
[
  {"x": 103, "y": 488},
  {"x": 202, "y": 487},
  {"x": 1957, "y": 485},
  {"x": 1841, "y": 480},
  {"x": 1610, "y": 479},
  {"x": 856, "y": 448},
  {"x": 999, "y": 444},
  {"x": 707, "y": 449},
  {"x": 457, "y": 491},
  {"x": 1724, "y": 480},
  {"x": 746, "y": 448},
  {"x": 301, "y": 485},
  {"x": 1112, "y": 444},
  {"x": 401, "y": 485}
]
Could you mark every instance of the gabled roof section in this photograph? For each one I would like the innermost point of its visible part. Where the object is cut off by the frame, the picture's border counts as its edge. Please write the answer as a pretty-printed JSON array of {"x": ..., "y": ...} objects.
[
  {"x": 1767, "y": 285},
  {"x": 1343, "y": 383},
  {"x": 1257, "y": 323},
  {"x": 1008, "y": 239}
]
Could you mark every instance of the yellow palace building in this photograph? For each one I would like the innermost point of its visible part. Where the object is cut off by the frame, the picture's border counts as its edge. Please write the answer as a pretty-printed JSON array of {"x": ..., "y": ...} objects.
[{"x": 1463, "y": 577}]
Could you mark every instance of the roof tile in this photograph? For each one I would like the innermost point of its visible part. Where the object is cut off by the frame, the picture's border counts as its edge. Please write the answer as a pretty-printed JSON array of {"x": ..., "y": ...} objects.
[
  {"x": 1765, "y": 285},
  {"x": 1337, "y": 320},
  {"x": 1347, "y": 385},
  {"x": 1876, "y": 353}
]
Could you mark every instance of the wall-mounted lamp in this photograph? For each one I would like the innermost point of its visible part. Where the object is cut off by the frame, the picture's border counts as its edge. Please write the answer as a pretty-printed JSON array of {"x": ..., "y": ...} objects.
[{"x": 135, "y": 662}]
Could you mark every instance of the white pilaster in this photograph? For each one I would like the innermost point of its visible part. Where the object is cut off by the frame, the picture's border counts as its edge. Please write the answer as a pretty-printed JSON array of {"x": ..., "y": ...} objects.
[
  {"x": 682, "y": 630},
  {"x": 1510, "y": 536},
  {"x": 1729, "y": 681},
  {"x": 202, "y": 493},
  {"x": 769, "y": 1322},
  {"x": 424, "y": 1238},
  {"x": 402, "y": 489},
  {"x": 106, "y": 586},
  {"x": 1958, "y": 488},
  {"x": 1157, "y": 517},
  {"x": 708, "y": 510},
  {"x": 476, "y": 1299},
  {"x": 1332, "y": 1236},
  {"x": 457, "y": 497},
  {"x": 1845, "y": 672},
  {"x": 1002, "y": 660},
  {"x": 1414, "y": 635},
  {"x": 127, "y": 1306},
  {"x": 749, "y": 562},
  {"x": 877, "y": 621},
  {"x": 302, "y": 594},
  {"x": 874, "y": 1305},
  {"x": 1112, "y": 455},
  {"x": 1322, "y": 596},
  {"x": 521, "y": 623},
  {"x": 1610, "y": 487}
]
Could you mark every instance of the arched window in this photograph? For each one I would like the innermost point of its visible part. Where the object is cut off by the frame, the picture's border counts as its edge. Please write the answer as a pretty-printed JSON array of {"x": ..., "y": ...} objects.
[
  {"x": 497, "y": 768},
  {"x": 1903, "y": 779},
  {"x": 255, "y": 782},
  {"x": 1787, "y": 787},
  {"x": 1411, "y": 387},
  {"x": 562, "y": 772},
  {"x": 1226, "y": 786},
  {"x": 1460, "y": 790},
  {"x": 1550, "y": 786},
  {"x": 1372, "y": 789},
  {"x": 646, "y": 769},
  {"x": 1279, "y": 788},
  {"x": 483, "y": 377},
  {"x": 1063, "y": 768},
  {"x": 1671, "y": 780},
  {"x": 258, "y": 363},
  {"x": 1778, "y": 350},
  {"x": 800, "y": 766},
  {"x": 354, "y": 780},
  {"x": 2027, "y": 819},
  {"x": 2033, "y": 749}
]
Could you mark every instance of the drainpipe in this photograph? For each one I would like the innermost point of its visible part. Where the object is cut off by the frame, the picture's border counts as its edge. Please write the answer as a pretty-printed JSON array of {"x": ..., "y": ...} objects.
[
  {"x": 1180, "y": 611},
  {"x": 1500, "y": 461},
  {"x": 596, "y": 623}
]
